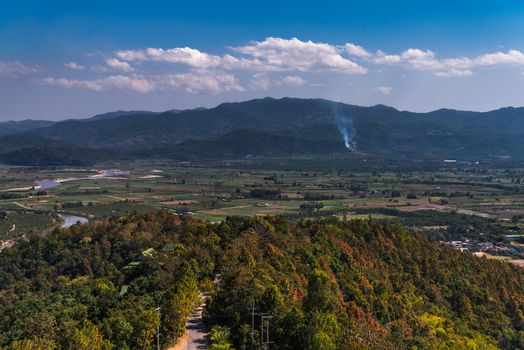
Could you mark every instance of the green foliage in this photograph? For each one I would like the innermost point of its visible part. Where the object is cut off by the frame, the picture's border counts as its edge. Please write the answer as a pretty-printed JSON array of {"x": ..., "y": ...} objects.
[
  {"x": 363, "y": 285},
  {"x": 220, "y": 338},
  {"x": 64, "y": 289},
  {"x": 34, "y": 344},
  {"x": 326, "y": 285},
  {"x": 89, "y": 338}
]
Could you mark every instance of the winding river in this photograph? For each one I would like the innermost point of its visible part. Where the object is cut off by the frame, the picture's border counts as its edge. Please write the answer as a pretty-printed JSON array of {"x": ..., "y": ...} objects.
[{"x": 70, "y": 220}]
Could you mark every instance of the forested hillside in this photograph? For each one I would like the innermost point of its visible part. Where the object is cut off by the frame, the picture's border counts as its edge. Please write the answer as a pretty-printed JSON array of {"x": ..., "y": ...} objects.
[
  {"x": 303, "y": 123},
  {"x": 328, "y": 285},
  {"x": 13, "y": 127}
]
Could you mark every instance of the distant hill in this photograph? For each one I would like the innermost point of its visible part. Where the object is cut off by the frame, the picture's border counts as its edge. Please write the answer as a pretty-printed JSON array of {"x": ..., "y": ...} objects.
[
  {"x": 294, "y": 124},
  {"x": 245, "y": 143},
  {"x": 55, "y": 156},
  {"x": 118, "y": 114},
  {"x": 15, "y": 142},
  {"x": 17, "y": 126}
]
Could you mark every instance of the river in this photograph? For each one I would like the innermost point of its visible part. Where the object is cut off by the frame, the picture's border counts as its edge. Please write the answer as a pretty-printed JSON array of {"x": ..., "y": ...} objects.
[
  {"x": 45, "y": 184},
  {"x": 70, "y": 220}
]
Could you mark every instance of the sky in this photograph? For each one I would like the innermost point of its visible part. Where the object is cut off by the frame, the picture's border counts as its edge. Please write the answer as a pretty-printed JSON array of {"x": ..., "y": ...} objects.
[{"x": 72, "y": 59}]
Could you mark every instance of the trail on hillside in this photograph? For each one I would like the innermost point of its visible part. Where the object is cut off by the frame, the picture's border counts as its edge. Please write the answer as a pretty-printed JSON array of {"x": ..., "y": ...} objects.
[{"x": 196, "y": 336}]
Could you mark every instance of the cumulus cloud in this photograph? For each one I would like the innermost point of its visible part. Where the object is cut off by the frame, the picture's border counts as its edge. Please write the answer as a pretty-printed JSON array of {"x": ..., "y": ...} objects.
[
  {"x": 196, "y": 82},
  {"x": 74, "y": 66},
  {"x": 181, "y": 55},
  {"x": 119, "y": 82},
  {"x": 455, "y": 66},
  {"x": 386, "y": 90},
  {"x": 356, "y": 50},
  {"x": 413, "y": 58},
  {"x": 119, "y": 65},
  {"x": 291, "y": 81},
  {"x": 270, "y": 63},
  {"x": 454, "y": 73},
  {"x": 14, "y": 69},
  {"x": 271, "y": 54},
  {"x": 277, "y": 54},
  {"x": 260, "y": 81}
]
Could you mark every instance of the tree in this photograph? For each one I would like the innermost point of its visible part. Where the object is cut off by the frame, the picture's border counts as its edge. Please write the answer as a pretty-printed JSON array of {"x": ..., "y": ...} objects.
[
  {"x": 220, "y": 338},
  {"x": 89, "y": 337},
  {"x": 34, "y": 344}
]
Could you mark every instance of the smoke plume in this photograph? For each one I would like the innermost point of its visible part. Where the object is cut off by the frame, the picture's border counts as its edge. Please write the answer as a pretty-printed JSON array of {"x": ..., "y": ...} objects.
[{"x": 345, "y": 127}]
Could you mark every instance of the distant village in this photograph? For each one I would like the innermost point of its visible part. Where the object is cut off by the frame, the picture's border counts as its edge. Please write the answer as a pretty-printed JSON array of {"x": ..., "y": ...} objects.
[{"x": 508, "y": 251}]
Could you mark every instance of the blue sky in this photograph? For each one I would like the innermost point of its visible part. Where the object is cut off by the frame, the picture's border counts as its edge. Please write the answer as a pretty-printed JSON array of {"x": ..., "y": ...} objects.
[{"x": 62, "y": 59}]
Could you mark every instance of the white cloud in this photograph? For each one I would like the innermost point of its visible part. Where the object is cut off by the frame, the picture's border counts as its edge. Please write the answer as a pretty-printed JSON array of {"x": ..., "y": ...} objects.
[
  {"x": 454, "y": 73},
  {"x": 277, "y": 54},
  {"x": 260, "y": 81},
  {"x": 512, "y": 57},
  {"x": 386, "y": 90},
  {"x": 181, "y": 55},
  {"x": 119, "y": 82},
  {"x": 119, "y": 65},
  {"x": 458, "y": 66},
  {"x": 413, "y": 58},
  {"x": 291, "y": 80},
  {"x": 195, "y": 82},
  {"x": 14, "y": 69},
  {"x": 356, "y": 50},
  {"x": 272, "y": 54},
  {"x": 74, "y": 66},
  {"x": 294, "y": 55},
  {"x": 271, "y": 62}
]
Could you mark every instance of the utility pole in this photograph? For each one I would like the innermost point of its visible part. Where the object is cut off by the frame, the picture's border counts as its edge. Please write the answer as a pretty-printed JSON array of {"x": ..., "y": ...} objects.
[
  {"x": 264, "y": 330},
  {"x": 264, "y": 327},
  {"x": 158, "y": 330}
]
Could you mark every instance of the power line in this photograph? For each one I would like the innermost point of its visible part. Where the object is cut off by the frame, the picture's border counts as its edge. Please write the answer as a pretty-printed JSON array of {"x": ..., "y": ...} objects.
[{"x": 265, "y": 320}]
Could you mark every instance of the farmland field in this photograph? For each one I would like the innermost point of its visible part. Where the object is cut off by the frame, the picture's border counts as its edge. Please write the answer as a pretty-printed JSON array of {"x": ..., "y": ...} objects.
[{"x": 463, "y": 203}]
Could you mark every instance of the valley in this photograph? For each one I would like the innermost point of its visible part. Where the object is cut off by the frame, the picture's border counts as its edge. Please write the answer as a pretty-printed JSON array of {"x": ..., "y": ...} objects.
[
  {"x": 351, "y": 231},
  {"x": 232, "y": 175},
  {"x": 464, "y": 205}
]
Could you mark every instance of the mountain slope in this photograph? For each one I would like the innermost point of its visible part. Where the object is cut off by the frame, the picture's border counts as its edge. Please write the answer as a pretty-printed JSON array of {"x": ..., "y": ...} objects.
[
  {"x": 55, "y": 156},
  {"x": 375, "y": 130},
  {"x": 362, "y": 285},
  {"x": 17, "y": 126},
  {"x": 326, "y": 284},
  {"x": 118, "y": 114},
  {"x": 246, "y": 142},
  {"x": 15, "y": 142}
]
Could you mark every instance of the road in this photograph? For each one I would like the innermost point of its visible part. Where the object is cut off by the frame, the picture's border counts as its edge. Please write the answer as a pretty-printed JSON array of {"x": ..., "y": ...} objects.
[
  {"x": 196, "y": 334},
  {"x": 22, "y": 206}
]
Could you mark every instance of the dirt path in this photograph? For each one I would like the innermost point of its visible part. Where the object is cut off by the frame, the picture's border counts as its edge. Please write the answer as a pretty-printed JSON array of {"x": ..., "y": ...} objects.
[
  {"x": 22, "y": 206},
  {"x": 195, "y": 337},
  {"x": 214, "y": 211}
]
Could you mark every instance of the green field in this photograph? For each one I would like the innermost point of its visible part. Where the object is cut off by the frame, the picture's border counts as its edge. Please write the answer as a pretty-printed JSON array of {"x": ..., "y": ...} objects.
[{"x": 482, "y": 201}]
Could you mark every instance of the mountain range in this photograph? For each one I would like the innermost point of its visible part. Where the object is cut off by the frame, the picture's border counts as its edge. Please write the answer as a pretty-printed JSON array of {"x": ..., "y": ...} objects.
[{"x": 269, "y": 127}]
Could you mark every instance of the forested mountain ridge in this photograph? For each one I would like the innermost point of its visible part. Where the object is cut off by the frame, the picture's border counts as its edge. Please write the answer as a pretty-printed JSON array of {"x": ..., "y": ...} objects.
[
  {"x": 374, "y": 130},
  {"x": 52, "y": 155},
  {"x": 245, "y": 143},
  {"x": 17, "y": 126},
  {"x": 328, "y": 285}
]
